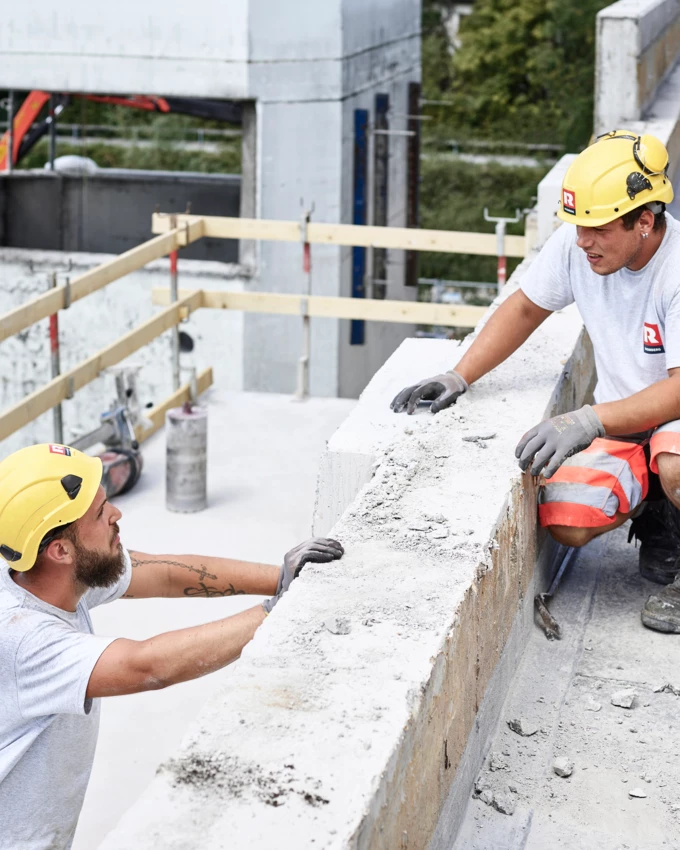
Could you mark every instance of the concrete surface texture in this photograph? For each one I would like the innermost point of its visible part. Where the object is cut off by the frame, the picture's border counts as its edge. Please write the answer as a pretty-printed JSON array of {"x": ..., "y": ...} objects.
[
  {"x": 98, "y": 320},
  {"x": 637, "y": 47},
  {"x": 347, "y": 715},
  {"x": 302, "y": 69},
  {"x": 263, "y": 454},
  {"x": 622, "y": 791}
]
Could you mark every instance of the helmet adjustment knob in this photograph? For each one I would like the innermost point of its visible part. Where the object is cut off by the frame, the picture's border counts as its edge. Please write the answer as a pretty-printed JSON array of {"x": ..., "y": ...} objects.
[
  {"x": 72, "y": 485},
  {"x": 636, "y": 183}
]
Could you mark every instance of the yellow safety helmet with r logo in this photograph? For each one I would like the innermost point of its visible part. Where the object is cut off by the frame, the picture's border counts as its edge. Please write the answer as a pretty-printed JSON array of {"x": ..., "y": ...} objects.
[
  {"x": 618, "y": 173},
  {"x": 42, "y": 488}
]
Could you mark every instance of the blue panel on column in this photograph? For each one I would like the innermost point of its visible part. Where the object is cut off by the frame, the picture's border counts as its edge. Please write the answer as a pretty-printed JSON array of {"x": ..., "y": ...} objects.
[{"x": 357, "y": 326}]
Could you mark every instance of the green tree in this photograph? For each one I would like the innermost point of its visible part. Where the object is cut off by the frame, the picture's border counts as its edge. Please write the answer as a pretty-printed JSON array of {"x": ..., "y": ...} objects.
[{"x": 524, "y": 70}]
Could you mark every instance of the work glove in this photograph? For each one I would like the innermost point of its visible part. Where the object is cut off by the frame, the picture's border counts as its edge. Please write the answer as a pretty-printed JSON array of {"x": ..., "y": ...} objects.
[
  {"x": 552, "y": 442},
  {"x": 318, "y": 550},
  {"x": 443, "y": 389}
]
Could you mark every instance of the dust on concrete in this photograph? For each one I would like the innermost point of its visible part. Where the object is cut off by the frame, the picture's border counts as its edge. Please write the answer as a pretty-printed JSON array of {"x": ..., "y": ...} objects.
[{"x": 232, "y": 777}]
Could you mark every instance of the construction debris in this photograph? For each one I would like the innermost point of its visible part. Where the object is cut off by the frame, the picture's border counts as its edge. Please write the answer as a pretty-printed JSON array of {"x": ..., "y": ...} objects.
[
  {"x": 668, "y": 689},
  {"x": 523, "y": 727},
  {"x": 338, "y": 625},
  {"x": 591, "y": 704},
  {"x": 563, "y": 767},
  {"x": 504, "y": 803},
  {"x": 479, "y": 438},
  {"x": 637, "y": 792},
  {"x": 624, "y": 699}
]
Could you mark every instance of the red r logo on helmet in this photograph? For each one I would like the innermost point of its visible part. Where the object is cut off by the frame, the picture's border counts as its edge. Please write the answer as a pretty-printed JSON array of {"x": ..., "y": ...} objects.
[{"x": 569, "y": 201}]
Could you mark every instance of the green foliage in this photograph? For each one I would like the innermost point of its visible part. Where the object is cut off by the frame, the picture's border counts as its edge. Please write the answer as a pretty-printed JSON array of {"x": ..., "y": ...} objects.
[
  {"x": 524, "y": 70},
  {"x": 454, "y": 195},
  {"x": 156, "y": 157}
]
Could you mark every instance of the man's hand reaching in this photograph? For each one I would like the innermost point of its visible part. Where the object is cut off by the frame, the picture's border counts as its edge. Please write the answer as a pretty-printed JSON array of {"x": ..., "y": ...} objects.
[
  {"x": 548, "y": 445},
  {"x": 442, "y": 390},
  {"x": 318, "y": 550}
]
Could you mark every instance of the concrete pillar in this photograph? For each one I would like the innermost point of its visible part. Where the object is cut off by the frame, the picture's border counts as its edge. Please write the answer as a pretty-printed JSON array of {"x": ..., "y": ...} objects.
[{"x": 247, "y": 247}]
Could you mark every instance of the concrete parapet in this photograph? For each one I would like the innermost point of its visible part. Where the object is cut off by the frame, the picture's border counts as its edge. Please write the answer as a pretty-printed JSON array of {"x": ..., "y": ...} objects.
[
  {"x": 638, "y": 44},
  {"x": 549, "y": 191},
  {"x": 351, "y": 713}
]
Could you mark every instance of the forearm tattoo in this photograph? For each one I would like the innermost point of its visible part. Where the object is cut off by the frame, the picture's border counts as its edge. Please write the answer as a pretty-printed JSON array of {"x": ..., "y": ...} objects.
[
  {"x": 210, "y": 592},
  {"x": 202, "y": 573}
]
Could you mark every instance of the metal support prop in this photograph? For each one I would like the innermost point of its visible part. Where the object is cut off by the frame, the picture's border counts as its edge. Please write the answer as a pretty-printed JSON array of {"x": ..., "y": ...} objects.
[
  {"x": 10, "y": 131},
  {"x": 500, "y": 243},
  {"x": 58, "y": 422},
  {"x": 175, "y": 330},
  {"x": 302, "y": 389}
]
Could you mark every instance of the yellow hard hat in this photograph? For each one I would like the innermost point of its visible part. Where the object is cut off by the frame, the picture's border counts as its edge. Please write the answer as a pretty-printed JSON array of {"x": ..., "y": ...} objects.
[
  {"x": 41, "y": 488},
  {"x": 617, "y": 174}
]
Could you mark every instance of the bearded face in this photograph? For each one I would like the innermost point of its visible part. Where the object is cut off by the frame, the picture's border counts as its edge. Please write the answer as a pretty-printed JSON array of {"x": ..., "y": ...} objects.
[{"x": 95, "y": 568}]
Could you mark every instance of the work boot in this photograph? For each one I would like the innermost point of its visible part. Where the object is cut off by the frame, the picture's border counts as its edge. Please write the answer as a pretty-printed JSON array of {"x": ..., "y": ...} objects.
[
  {"x": 662, "y": 610},
  {"x": 657, "y": 528}
]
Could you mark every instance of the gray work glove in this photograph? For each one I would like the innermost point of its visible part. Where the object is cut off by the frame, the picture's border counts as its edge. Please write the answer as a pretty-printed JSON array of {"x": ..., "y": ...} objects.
[
  {"x": 444, "y": 389},
  {"x": 318, "y": 550},
  {"x": 552, "y": 442}
]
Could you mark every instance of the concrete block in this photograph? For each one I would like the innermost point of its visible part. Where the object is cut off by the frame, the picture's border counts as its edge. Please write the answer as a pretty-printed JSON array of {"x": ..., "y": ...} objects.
[
  {"x": 637, "y": 47},
  {"x": 549, "y": 194},
  {"x": 358, "y": 740}
]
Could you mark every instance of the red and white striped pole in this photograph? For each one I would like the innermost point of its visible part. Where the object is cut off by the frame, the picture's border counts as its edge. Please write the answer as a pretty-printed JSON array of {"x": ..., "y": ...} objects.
[
  {"x": 174, "y": 296},
  {"x": 55, "y": 367}
]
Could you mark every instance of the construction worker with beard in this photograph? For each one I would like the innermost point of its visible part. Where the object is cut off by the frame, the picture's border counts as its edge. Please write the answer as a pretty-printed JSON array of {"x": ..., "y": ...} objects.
[
  {"x": 60, "y": 538},
  {"x": 620, "y": 458}
]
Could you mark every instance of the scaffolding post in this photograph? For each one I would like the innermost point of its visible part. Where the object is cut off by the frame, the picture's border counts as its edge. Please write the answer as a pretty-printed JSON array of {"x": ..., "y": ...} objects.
[
  {"x": 58, "y": 422},
  {"x": 501, "y": 223},
  {"x": 302, "y": 389},
  {"x": 174, "y": 296}
]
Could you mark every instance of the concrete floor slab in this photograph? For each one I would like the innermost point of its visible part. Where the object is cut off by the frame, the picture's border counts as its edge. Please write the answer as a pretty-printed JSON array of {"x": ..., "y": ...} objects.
[
  {"x": 263, "y": 454},
  {"x": 565, "y": 688}
]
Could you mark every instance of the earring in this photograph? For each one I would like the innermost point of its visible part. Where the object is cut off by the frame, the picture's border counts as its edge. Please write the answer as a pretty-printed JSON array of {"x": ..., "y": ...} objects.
[{"x": 645, "y": 235}]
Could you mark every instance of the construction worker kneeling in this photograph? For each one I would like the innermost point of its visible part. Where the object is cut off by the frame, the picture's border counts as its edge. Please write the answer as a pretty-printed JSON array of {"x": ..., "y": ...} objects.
[
  {"x": 620, "y": 458},
  {"x": 60, "y": 538}
]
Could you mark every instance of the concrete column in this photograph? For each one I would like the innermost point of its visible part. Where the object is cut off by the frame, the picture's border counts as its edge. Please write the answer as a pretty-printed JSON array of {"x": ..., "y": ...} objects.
[{"x": 248, "y": 247}]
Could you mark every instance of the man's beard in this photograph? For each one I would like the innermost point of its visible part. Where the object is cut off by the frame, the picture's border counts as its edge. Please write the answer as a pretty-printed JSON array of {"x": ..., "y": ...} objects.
[{"x": 98, "y": 569}]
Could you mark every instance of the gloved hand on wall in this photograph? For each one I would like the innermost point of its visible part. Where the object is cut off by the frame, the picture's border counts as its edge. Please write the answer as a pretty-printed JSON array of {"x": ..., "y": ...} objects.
[
  {"x": 443, "y": 390},
  {"x": 548, "y": 445},
  {"x": 318, "y": 550}
]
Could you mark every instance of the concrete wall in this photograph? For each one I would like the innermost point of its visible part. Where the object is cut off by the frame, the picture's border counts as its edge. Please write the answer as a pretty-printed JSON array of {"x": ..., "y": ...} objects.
[
  {"x": 305, "y": 65},
  {"x": 638, "y": 44},
  {"x": 98, "y": 320},
  {"x": 110, "y": 212},
  {"x": 350, "y": 720}
]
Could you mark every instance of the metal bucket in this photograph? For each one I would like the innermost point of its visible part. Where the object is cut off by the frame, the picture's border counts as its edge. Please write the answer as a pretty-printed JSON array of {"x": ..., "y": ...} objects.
[{"x": 186, "y": 434}]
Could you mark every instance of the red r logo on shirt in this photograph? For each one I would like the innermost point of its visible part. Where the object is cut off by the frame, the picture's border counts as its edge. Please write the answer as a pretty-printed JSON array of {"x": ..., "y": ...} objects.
[{"x": 651, "y": 338}]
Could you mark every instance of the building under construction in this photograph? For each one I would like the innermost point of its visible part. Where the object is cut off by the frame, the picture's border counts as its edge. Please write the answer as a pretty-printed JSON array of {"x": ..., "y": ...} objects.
[{"x": 407, "y": 699}]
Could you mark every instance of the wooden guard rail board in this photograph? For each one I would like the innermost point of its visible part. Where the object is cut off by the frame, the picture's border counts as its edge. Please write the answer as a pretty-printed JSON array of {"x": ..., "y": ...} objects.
[
  {"x": 156, "y": 416},
  {"x": 53, "y": 300},
  {"x": 349, "y": 235},
  {"x": 331, "y": 307},
  {"x": 63, "y": 387}
]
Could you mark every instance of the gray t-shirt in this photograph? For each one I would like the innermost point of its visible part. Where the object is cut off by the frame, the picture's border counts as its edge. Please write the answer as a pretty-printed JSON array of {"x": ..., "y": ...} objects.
[
  {"x": 633, "y": 318},
  {"x": 48, "y": 729}
]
